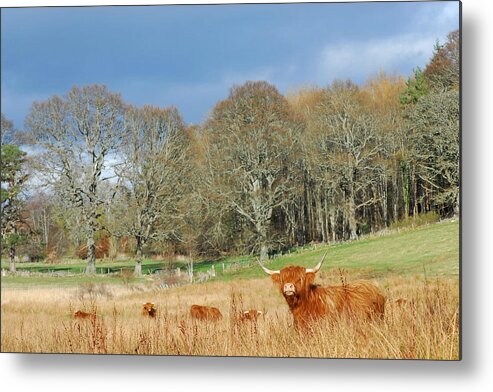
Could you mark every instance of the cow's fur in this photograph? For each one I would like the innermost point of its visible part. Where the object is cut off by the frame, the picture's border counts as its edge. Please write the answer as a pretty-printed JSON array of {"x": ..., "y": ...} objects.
[
  {"x": 205, "y": 313},
  {"x": 309, "y": 302},
  {"x": 148, "y": 309},
  {"x": 79, "y": 314},
  {"x": 251, "y": 315}
]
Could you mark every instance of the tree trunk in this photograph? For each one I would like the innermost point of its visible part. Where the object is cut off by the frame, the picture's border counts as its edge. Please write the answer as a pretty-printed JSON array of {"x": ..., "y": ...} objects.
[
  {"x": 91, "y": 256},
  {"x": 427, "y": 201},
  {"x": 415, "y": 193},
  {"x": 320, "y": 219},
  {"x": 326, "y": 223},
  {"x": 45, "y": 229},
  {"x": 352, "y": 222},
  {"x": 138, "y": 268},
  {"x": 190, "y": 268},
  {"x": 138, "y": 258},
  {"x": 385, "y": 189},
  {"x": 262, "y": 240},
  {"x": 351, "y": 216},
  {"x": 405, "y": 190},
  {"x": 333, "y": 225},
  {"x": 264, "y": 251},
  {"x": 12, "y": 259}
]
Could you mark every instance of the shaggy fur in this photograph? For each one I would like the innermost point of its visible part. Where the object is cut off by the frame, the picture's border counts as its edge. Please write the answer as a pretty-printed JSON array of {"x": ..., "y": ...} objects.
[
  {"x": 84, "y": 315},
  {"x": 148, "y": 309},
  {"x": 251, "y": 315},
  {"x": 309, "y": 302},
  {"x": 205, "y": 313}
]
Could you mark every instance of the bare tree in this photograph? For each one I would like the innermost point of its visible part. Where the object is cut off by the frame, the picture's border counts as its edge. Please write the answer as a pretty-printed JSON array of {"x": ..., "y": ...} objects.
[
  {"x": 251, "y": 143},
  {"x": 151, "y": 175},
  {"x": 76, "y": 137},
  {"x": 7, "y": 130},
  {"x": 436, "y": 148},
  {"x": 349, "y": 148},
  {"x": 39, "y": 209}
]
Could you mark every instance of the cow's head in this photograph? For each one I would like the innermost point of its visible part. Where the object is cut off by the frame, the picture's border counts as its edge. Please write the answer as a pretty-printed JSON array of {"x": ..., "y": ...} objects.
[
  {"x": 251, "y": 314},
  {"x": 294, "y": 282},
  {"x": 148, "y": 307}
]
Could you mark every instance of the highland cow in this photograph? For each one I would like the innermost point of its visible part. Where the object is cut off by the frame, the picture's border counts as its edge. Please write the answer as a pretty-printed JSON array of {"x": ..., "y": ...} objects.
[
  {"x": 251, "y": 315},
  {"x": 308, "y": 301},
  {"x": 148, "y": 309},
  {"x": 84, "y": 315},
  {"x": 205, "y": 313}
]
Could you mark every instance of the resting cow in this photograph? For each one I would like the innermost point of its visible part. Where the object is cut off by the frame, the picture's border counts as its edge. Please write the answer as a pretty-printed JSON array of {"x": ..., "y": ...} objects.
[
  {"x": 148, "y": 309},
  {"x": 205, "y": 313},
  {"x": 84, "y": 315},
  {"x": 308, "y": 301},
  {"x": 251, "y": 315}
]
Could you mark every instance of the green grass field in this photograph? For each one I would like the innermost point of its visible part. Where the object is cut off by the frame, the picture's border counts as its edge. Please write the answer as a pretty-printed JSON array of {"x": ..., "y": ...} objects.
[{"x": 432, "y": 250}]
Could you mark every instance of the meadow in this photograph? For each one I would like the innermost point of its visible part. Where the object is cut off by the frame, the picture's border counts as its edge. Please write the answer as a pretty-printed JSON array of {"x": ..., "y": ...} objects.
[{"x": 420, "y": 266}]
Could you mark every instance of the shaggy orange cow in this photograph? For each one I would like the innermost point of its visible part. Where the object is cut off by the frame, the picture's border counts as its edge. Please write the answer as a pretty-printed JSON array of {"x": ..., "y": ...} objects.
[
  {"x": 251, "y": 315},
  {"x": 148, "y": 309},
  {"x": 205, "y": 313},
  {"x": 84, "y": 315},
  {"x": 308, "y": 301}
]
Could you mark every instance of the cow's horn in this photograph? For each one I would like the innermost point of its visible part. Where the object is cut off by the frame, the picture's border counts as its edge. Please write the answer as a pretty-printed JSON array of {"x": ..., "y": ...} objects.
[
  {"x": 317, "y": 267},
  {"x": 266, "y": 270}
]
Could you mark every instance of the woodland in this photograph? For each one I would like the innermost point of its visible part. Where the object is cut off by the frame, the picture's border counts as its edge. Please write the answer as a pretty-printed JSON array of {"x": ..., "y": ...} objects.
[{"x": 90, "y": 176}]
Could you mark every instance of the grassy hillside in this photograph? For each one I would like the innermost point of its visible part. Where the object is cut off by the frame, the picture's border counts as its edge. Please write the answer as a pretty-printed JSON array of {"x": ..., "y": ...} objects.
[{"x": 432, "y": 250}]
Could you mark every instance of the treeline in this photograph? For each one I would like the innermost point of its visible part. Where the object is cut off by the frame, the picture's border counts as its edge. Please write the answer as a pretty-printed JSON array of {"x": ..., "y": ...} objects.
[{"x": 263, "y": 173}]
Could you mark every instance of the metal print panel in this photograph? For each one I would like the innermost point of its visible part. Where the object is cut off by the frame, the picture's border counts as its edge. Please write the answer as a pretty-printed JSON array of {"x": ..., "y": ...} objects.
[{"x": 268, "y": 180}]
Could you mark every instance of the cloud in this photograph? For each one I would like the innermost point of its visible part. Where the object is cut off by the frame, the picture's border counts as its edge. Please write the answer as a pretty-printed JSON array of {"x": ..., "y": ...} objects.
[
  {"x": 360, "y": 59},
  {"x": 445, "y": 19},
  {"x": 357, "y": 60}
]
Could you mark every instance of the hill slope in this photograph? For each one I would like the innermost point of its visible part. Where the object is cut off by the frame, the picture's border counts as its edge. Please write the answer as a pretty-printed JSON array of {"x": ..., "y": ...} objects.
[{"x": 431, "y": 249}]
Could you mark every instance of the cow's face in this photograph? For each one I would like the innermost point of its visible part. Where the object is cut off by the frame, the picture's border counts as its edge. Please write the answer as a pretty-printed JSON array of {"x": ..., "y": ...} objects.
[
  {"x": 293, "y": 282},
  {"x": 251, "y": 314},
  {"x": 148, "y": 307}
]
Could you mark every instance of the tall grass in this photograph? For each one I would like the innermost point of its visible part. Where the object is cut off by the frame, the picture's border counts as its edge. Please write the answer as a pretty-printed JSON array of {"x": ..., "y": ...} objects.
[{"x": 424, "y": 326}]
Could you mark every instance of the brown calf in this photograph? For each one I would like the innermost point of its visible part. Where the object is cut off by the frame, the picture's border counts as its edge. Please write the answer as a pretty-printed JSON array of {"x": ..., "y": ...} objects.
[
  {"x": 148, "y": 309},
  {"x": 84, "y": 315},
  {"x": 205, "y": 313},
  {"x": 251, "y": 315}
]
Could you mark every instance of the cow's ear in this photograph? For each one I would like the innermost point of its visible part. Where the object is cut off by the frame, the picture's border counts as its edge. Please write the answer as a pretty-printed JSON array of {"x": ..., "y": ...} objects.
[
  {"x": 309, "y": 277},
  {"x": 276, "y": 278}
]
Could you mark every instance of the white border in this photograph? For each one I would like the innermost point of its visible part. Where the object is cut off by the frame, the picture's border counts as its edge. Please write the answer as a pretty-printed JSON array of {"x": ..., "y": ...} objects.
[{"x": 473, "y": 373}]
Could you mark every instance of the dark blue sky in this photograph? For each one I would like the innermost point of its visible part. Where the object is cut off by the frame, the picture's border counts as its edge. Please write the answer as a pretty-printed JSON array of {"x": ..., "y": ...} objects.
[{"x": 189, "y": 56}]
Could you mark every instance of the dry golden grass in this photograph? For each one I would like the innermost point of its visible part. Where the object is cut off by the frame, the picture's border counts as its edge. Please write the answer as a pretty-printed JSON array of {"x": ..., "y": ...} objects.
[{"x": 425, "y": 326}]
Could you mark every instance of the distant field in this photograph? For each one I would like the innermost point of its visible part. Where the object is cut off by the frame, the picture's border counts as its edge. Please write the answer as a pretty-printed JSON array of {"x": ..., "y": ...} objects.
[
  {"x": 432, "y": 250},
  {"x": 419, "y": 265}
]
